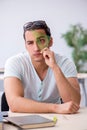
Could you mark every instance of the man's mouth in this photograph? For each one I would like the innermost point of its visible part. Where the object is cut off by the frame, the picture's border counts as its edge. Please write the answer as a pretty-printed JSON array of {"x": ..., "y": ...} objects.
[{"x": 37, "y": 54}]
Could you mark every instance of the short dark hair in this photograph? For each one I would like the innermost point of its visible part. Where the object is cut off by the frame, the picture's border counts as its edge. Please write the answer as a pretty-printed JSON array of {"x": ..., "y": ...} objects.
[{"x": 40, "y": 24}]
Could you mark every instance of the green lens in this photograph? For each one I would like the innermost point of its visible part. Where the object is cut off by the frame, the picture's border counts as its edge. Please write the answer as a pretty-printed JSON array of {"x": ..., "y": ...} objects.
[{"x": 43, "y": 41}]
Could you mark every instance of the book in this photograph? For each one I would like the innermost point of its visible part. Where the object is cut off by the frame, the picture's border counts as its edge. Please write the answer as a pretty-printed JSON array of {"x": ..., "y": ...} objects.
[{"x": 31, "y": 121}]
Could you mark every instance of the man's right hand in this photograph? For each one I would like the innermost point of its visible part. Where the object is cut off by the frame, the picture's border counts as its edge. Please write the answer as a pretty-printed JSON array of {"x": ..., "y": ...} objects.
[{"x": 67, "y": 108}]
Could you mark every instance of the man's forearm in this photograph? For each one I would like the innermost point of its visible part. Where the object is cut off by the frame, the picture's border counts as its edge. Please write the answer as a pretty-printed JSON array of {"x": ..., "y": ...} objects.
[
  {"x": 22, "y": 104},
  {"x": 67, "y": 90}
]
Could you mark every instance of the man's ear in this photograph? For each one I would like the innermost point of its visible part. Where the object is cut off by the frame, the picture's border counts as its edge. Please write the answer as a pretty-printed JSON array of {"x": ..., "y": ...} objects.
[{"x": 51, "y": 42}]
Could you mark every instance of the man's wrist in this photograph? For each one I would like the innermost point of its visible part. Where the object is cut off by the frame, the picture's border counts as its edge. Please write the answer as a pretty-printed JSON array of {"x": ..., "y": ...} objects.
[
  {"x": 55, "y": 67},
  {"x": 51, "y": 107}
]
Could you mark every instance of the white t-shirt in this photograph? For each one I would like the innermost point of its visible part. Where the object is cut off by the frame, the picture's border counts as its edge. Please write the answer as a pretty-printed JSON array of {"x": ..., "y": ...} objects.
[{"x": 20, "y": 66}]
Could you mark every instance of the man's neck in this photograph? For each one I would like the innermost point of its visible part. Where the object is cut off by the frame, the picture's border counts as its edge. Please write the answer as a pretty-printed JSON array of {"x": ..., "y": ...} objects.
[
  {"x": 41, "y": 69},
  {"x": 40, "y": 66}
]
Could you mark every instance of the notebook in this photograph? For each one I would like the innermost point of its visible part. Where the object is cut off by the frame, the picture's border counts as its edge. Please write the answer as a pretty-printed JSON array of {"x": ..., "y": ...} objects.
[{"x": 31, "y": 121}]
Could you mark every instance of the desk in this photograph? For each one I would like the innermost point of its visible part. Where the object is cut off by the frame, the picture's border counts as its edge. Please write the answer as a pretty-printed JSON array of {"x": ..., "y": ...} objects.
[
  {"x": 1, "y": 73},
  {"x": 1, "y": 76},
  {"x": 65, "y": 121},
  {"x": 81, "y": 78}
]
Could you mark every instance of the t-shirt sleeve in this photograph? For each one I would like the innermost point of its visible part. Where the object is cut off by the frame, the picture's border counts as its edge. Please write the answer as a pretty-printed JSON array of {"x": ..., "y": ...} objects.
[
  {"x": 66, "y": 65},
  {"x": 69, "y": 68},
  {"x": 13, "y": 68}
]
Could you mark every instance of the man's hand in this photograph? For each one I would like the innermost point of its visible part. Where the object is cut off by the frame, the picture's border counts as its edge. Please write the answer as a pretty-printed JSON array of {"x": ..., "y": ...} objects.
[
  {"x": 67, "y": 108},
  {"x": 49, "y": 57}
]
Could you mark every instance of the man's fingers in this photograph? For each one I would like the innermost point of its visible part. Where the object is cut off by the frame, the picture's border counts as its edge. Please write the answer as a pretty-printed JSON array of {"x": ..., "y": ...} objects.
[{"x": 45, "y": 49}]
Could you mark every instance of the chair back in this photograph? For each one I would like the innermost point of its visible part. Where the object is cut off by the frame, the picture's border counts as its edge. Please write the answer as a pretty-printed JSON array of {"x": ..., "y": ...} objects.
[{"x": 4, "y": 104}]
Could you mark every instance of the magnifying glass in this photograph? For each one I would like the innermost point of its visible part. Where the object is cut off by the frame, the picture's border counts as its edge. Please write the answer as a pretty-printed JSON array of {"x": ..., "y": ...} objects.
[{"x": 43, "y": 41}]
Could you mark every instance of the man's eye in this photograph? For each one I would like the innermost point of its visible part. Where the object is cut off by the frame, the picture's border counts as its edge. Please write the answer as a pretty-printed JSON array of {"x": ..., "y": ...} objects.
[
  {"x": 29, "y": 42},
  {"x": 42, "y": 40}
]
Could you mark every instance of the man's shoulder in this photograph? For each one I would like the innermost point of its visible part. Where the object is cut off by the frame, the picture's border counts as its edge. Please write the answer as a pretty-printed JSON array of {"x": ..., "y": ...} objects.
[
  {"x": 67, "y": 65},
  {"x": 63, "y": 60},
  {"x": 60, "y": 57},
  {"x": 18, "y": 58}
]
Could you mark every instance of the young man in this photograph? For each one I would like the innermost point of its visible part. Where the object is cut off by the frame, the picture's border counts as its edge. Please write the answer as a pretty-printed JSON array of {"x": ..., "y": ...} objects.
[{"x": 37, "y": 80}]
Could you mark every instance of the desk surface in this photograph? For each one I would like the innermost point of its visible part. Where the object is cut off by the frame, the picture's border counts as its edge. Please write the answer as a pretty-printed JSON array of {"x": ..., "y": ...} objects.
[
  {"x": 65, "y": 121},
  {"x": 1, "y": 76},
  {"x": 82, "y": 75}
]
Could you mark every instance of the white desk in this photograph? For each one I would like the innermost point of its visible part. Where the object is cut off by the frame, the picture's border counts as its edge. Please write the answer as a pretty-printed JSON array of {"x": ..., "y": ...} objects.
[
  {"x": 1, "y": 76},
  {"x": 65, "y": 121},
  {"x": 1, "y": 73}
]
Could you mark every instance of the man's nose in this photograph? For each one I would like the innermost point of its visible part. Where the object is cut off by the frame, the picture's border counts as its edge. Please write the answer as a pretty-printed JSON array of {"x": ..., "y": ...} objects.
[{"x": 36, "y": 46}]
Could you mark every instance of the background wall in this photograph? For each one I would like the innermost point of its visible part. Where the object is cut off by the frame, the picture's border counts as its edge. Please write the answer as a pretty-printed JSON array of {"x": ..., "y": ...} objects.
[{"x": 59, "y": 14}]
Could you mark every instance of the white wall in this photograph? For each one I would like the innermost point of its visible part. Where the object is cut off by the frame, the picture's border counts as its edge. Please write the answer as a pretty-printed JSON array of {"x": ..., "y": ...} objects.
[{"x": 59, "y": 14}]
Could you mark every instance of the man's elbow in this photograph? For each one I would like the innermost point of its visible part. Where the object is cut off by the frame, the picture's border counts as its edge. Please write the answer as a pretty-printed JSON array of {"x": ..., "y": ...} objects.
[{"x": 13, "y": 107}]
